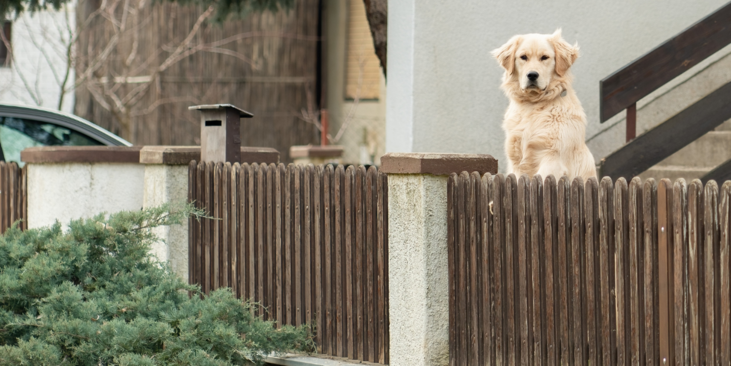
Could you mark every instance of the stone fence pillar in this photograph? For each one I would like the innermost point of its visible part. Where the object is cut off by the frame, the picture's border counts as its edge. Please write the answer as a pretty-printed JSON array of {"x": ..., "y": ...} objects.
[
  {"x": 166, "y": 181},
  {"x": 417, "y": 252}
]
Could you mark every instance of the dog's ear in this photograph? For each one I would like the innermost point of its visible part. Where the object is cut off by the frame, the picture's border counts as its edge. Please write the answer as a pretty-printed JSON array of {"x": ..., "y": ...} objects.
[
  {"x": 566, "y": 54},
  {"x": 505, "y": 55}
]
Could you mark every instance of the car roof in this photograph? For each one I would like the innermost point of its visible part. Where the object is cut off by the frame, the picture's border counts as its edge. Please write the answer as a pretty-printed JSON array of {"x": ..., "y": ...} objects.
[{"x": 66, "y": 120}]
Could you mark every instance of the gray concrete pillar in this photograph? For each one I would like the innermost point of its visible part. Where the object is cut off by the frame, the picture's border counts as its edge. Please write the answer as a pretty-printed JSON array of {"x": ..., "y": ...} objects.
[{"x": 417, "y": 252}]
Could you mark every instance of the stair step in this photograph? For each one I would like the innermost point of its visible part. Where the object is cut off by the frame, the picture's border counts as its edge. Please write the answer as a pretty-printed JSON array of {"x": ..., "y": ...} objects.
[
  {"x": 674, "y": 172},
  {"x": 726, "y": 126},
  {"x": 708, "y": 151}
]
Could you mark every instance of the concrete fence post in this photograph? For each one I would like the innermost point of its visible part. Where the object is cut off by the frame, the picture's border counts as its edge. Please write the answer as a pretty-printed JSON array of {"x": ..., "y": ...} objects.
[
  {"x": 166, "y": 181},
  {"x": 417, "y": 252}
]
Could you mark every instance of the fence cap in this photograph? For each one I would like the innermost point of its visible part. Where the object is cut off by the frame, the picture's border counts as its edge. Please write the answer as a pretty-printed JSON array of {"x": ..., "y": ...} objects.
[
  {"x": 182, "y": 155},
  {"x": 81, "y": 154},
  {"x": 210, "y": 107},
  {"x": 437, "y": 164}
]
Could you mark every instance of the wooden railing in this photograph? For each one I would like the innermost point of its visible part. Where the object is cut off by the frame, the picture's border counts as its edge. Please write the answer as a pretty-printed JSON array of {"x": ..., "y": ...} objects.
[
  {"x": 588, "y": 273},
  {"x": 626, "y": 86},
  {"x": 309, "y": 244}
]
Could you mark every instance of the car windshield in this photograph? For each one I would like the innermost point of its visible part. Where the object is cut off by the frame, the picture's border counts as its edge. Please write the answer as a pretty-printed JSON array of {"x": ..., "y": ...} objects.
[{"x": 17, "y": 134}]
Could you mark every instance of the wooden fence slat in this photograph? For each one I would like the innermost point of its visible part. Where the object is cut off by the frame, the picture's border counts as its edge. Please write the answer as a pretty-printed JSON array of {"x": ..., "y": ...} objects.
[
  {"x": 709, "y": 254},
  {"x": 452, "y": 266},
  {"x": 651, "y": 266},
  {"x": 371, "y": 178},
  {"x": 562, "y": 261},
  {"x": 607, "y": 336},
  {"x": 725, "y": 278},
  {"x": 208, "y": 237},
  {"x": 680, "y": 272},
  {"x": 268, "y": 240},
  {"x": 666, "y": 317},
  {"x": 234, "y": 227},
  {"x": 462, "y": 316},
  {"x": 338, "y": 259},
  {"x": 621, "y": 238},
  {"x": 386, "y": 336},
  {"x": 261, "y": 247},
  {"x": 319, "y": 250},
  {"x": 24, "y": 195},
  {"x": 306, "y": 230},
  {"x": 4, "y": 217},
  {"x": 486, "y": 219},
  {"x": 577, "y": 273},
  {"x": 12, "y": 193},
  {"x": 225, "y": 197},
  {"x": 192, "y": 222},
  {"x": 635, "y": 319},
  {"x": 550, "y": 250},
  {"x": 216, "y": 243},
  {"x": 360, "y": 250},
  {"x": 537, "y": 259},
  {"x": 381, "y": 274},
  {"x": 592, "y": 282},
  {"x": 498, "y": 288},
  {"x": 253, "y": 256},
  {"x": 511, "y": 228},
  {"x": 280, "y": 173},
  {"x": 348, "y": 200},
  {"x": 243, "y": 233},
  {"x": 523, "y": 260},
  {"x": 695, "y": 232},
  {"x": 327, "y": 344},
  {"x": 474, "y": 259}
]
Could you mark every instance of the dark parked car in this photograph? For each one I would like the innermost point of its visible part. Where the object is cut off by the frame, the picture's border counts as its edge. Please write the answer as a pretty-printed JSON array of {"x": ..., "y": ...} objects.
[{"x": 22, "y": 127}]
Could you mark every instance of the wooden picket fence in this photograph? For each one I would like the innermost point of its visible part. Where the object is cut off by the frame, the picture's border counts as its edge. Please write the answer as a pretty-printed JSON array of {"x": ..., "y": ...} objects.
[
  {"x": 12, "y": 196},
  {"x": 595, "y": 273},
  {"x": 307, "y": 243}
]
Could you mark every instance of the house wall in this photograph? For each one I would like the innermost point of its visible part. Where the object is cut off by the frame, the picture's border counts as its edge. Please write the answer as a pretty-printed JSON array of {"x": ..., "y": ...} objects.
[
  {"x": 444, "y": 91},
  {"x": 364, "y": 137},
  {"x": 35, "y": 75}
]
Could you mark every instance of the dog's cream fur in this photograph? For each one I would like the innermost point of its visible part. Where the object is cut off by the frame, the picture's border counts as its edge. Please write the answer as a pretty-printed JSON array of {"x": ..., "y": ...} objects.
[{"x": 545, "y": 124}]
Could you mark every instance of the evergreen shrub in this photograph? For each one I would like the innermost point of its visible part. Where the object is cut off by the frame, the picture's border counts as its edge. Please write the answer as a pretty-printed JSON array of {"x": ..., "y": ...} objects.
[{"x": 92, "y": 295}]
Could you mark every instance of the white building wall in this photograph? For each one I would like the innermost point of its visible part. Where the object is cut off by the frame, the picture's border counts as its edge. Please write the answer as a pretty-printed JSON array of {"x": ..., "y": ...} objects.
[
  {"x": 39, "y": 66},
  {"x": 443, "y": 83}
]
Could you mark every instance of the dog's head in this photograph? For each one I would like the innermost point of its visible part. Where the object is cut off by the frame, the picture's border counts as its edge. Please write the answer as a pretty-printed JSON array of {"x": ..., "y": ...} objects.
[{"x": 533, "y": 60}]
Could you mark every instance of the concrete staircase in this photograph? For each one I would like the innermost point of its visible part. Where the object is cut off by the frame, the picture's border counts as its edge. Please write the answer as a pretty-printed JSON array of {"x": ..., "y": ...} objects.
[{"x": 696, "y": 159}]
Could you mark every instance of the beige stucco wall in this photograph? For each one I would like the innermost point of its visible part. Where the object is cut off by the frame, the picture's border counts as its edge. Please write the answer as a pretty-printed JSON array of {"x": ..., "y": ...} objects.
[
  {"x": 443, "y": 87},
  {"x": 63, "y": 192}
]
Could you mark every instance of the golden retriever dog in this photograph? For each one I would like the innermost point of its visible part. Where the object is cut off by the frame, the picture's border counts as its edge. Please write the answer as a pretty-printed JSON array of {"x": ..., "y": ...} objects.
[{"x": 545, "y": 124}]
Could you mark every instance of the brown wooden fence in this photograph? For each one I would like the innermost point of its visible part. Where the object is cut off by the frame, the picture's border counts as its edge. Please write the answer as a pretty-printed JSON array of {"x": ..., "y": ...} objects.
[
  {"x": 595, "y": 273},
  {"x": 308, "y": 243},
  {"x": 12, "y": 196}
]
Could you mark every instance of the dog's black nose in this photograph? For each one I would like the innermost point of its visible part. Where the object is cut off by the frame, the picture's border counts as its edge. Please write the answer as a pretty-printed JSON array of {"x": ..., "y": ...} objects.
[{"x": 532, "y": 76}]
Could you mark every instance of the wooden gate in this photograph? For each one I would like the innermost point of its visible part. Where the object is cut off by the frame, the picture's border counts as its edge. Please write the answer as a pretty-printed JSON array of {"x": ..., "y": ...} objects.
[
  {"x": 307, "y": 243},
  {"x": 597, "y": 273}
]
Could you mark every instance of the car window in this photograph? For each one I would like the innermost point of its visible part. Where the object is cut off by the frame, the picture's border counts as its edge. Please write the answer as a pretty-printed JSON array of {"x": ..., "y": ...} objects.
[{"x": 17, "y": 134}]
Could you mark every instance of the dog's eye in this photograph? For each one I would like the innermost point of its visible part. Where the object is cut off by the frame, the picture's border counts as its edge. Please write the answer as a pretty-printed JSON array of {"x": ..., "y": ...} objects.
[
  {"x": 544, "y": 58},
  {"x": 524, "y": 57}
]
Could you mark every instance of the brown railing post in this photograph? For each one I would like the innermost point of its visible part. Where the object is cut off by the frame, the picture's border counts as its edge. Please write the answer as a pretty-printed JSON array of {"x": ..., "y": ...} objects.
[
  {"x": 666, "y": 329},
  {"x": 631, "y": 122}
]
